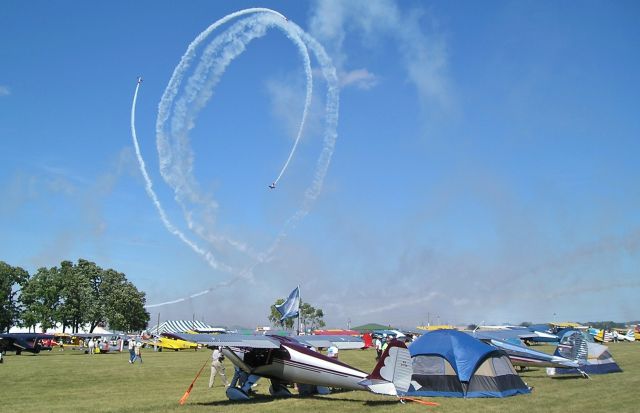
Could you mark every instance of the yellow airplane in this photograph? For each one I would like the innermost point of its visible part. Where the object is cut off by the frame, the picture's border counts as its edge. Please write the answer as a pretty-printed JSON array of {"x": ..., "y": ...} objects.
[
  {"x": 568, "y": 324},
  {"x": 168, "y": 341},
  {"x": 436, "y": 327}
]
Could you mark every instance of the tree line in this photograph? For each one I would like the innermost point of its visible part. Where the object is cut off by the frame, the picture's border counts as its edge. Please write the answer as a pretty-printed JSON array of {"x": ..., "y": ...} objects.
[{"x": 70, "y": 295}]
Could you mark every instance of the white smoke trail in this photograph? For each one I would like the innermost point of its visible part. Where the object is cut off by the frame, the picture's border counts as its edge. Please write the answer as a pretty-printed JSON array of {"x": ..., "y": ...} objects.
[
  {"x": 330, "y": 135},
  {"x": 176, "y": 158},
  {"x": 149, "y": 188}
]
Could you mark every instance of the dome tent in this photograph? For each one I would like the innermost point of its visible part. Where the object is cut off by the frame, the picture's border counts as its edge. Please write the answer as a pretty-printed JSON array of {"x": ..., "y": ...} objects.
[{"x": 449, "y": 363}]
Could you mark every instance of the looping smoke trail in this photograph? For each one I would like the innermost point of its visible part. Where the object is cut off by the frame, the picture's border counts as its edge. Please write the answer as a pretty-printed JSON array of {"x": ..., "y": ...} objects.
[{"x": 176, "y": 157}]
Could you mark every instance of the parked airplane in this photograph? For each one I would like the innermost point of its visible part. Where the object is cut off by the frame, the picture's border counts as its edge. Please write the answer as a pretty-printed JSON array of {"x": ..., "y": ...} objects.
[
  {"x": 285, "y": 360},
  {"x": 525, "y": 357},
  {"x": 511, "y": 341},
  {"x": 170, "y": 341},
  {"x": 19, "y": 342}
]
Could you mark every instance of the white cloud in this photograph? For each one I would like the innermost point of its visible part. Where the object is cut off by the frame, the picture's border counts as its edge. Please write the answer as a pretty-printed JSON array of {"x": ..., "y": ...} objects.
[
  {"x": 423, "y": 51},
  {"x": 360, "y": 78},
  {"x": 4, "y": 90}
]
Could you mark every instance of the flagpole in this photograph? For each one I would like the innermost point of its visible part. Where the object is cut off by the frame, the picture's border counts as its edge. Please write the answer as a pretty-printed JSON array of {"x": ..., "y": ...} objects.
[{"x": 300, "y": 302}]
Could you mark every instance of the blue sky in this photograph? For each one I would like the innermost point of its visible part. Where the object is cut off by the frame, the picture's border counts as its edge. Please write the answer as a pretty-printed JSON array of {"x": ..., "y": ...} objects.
[{"x": 485, "y": 166}]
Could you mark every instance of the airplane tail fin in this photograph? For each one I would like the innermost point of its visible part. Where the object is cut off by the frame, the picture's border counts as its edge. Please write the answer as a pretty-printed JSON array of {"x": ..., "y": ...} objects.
[
  {"x": 573, "y": 347},
  {"x": 392, "y": 374}
]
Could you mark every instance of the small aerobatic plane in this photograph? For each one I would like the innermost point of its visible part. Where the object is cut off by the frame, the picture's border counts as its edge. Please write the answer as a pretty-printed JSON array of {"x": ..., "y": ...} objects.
[
  {"x": 19, "y": 342},
  {"x": 286, "y": 360},
  {"x": 139, "y": 79},
  {"x": 273, "y": 185}
]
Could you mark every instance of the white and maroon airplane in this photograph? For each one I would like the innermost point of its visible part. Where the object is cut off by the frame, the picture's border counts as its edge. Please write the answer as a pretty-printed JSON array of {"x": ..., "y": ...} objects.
[{"x": 286, "y": 360}]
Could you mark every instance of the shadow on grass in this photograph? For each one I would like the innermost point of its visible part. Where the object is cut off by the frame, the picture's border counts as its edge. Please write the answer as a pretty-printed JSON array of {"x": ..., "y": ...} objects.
[{"x": 263, "y": 398}]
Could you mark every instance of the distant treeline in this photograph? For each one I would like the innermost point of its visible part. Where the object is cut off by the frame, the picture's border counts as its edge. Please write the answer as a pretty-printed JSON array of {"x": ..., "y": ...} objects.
[{"x": 71, "y": 295}]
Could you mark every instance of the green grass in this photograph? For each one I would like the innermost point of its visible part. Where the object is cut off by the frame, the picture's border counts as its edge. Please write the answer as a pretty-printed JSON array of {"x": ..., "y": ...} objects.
[{"x": 71, "y": 381}]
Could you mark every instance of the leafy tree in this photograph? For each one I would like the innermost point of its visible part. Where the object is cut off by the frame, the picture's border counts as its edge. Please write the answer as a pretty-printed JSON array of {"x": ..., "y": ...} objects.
[
  {"x": 41, "y": 298},
  {"x": 95, "y": 304},
  {"x": 75, "y": 295},
  {"x": 11, "y": 278},
  {"x": 113, "y": 299},
  {"x": 125, "y": 307},
  {"x": 310, "y": 317}
]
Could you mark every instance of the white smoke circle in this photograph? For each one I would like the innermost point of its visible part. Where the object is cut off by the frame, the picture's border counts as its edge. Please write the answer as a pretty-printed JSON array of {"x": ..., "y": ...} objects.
[{"x": 177, "y": 113}]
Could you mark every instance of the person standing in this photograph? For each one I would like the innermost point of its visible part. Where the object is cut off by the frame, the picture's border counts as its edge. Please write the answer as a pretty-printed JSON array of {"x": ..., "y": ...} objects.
[
  {"x": 217, "y": 367},
  {"x": 332, "y": 351},
  {"x": 138, "y": 353},
  {"x": 378, "y": 344},
  {"x": 132, "y": 354},
  {"x": 92, "y": 345},
  {"x": 386, "y": 344}
]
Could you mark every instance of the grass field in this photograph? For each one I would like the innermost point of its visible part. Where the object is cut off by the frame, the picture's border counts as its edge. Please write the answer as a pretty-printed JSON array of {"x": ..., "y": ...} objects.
[{"x": 72, "y": 381}]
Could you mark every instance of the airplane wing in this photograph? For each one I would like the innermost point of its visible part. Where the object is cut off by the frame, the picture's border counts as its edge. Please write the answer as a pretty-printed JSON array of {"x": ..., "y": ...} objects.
[
  {"x": 506, "y": 335},
  {"x": 231, "y": 340},
  {"x": 522, "y": 356},
  {"x": 340, "y": 341},
  {"x": 91, "y": 335}
]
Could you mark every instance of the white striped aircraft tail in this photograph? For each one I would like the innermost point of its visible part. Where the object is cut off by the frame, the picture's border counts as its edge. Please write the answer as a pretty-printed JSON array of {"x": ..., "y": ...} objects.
[{"x": 392, "y": 374}]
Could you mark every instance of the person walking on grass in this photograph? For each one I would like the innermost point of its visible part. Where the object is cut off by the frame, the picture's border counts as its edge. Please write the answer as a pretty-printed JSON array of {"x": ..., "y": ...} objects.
[{"x": 217, "y": 367}]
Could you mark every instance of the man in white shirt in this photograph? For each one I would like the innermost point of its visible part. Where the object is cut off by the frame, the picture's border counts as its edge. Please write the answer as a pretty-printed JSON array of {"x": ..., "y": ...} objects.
[
  {"x": 332, "y": 352},
  {"x": 217, "y": 367},
  {"x": 131, "y": 346},
  {"x": 378, "y": 344}
]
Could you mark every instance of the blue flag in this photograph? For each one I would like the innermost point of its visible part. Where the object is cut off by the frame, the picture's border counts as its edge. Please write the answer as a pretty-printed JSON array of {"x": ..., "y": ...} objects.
[{"x": 291, "y": 307}]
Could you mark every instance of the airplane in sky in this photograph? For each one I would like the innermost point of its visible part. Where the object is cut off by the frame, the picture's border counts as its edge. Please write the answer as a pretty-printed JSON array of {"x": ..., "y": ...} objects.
[
  {"x": 285, "y": 360},
  {"x": 139, "y": 79},
  {"x": 272, "y": 186},
  {"x": 19, "y": 342}
]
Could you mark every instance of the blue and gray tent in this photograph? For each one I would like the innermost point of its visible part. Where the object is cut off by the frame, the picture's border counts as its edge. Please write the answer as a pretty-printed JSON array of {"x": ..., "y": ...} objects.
[{"x": 450, "y": 363}]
